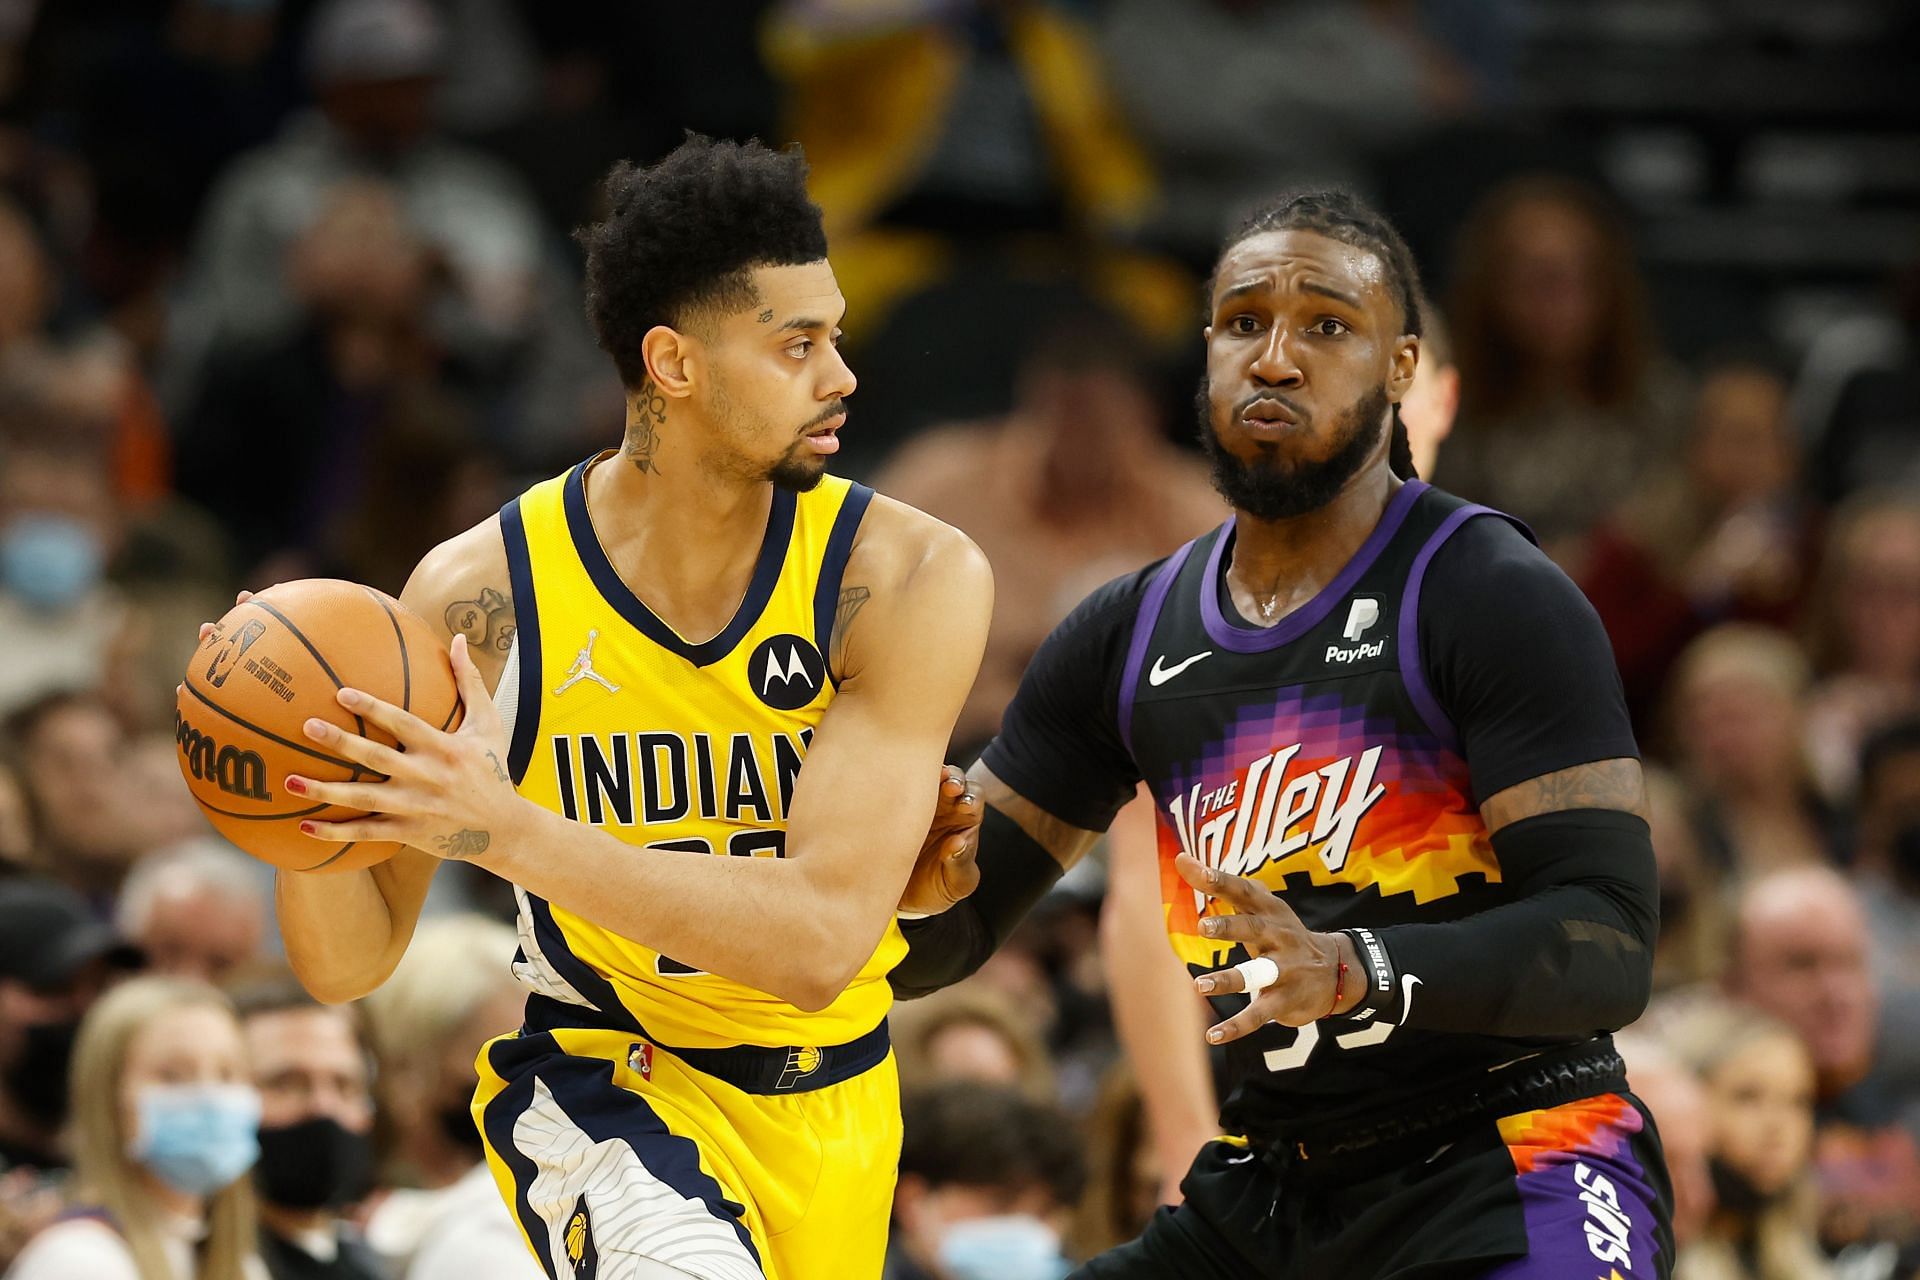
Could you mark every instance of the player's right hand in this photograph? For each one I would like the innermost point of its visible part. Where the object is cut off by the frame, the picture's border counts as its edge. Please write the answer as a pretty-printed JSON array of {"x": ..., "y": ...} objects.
[
  {"x": 946, "y": 871},
  {"x": 206, "y": 628}
]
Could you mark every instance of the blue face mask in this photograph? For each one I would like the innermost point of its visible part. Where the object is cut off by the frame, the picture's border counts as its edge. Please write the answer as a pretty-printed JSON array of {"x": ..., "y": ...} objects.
[
  {"x": 197, "y": 1138},
  {"x": 1012, "y": 1247},
  {"x": 49, "y": 561}
]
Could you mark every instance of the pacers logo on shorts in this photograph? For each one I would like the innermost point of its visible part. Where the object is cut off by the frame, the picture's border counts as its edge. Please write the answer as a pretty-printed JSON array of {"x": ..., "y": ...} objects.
[
  {"x": 581, "y": 1254},
  {"x": 801, "y": 1063}
]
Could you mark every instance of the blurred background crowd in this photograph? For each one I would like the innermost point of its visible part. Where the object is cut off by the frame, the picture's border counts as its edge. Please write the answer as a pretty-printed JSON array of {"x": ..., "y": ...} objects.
[{"x": 286, "y": 290}]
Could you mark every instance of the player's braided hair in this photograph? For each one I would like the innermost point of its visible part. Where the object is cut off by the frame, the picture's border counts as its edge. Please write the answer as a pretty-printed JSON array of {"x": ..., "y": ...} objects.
[
  {"x": 1343, "y": 216},
  {"x": 686, "y": 234}
]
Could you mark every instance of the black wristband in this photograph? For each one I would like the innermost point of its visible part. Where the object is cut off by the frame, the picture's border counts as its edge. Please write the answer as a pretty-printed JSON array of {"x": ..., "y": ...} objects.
[{"x": 1380, "y": 997}]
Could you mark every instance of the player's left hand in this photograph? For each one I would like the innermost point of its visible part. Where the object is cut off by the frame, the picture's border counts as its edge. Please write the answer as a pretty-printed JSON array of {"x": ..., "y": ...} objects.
[
  {"x": 447, "y": 794},
  {"x": 1309, "y": 962},
  {"x": 945, "y": 871}
]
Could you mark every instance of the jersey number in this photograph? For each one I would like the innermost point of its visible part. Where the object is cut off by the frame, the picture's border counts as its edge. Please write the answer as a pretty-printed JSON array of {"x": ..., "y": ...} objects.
[
  {"x": 1308, "y": 1037},
  {"x": 741, "y": 844}
]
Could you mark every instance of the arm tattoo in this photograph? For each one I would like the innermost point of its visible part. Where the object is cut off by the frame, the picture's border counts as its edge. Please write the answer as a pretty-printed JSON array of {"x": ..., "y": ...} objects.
[
  {"x": 643, "y": 432},
  {"x": 852, "y": 600},
  {"x": 486, "y": 621},
  {"x": 498, "y": 771},
  {"x": 1605, "y": 784},
  {"x": 1065, "y": 842},
  {"x": 464, "y": 844}
]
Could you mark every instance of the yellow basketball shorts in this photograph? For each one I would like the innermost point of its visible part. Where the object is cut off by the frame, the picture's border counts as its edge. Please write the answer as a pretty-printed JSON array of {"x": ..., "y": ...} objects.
[{"x": 610, "y": 1150}]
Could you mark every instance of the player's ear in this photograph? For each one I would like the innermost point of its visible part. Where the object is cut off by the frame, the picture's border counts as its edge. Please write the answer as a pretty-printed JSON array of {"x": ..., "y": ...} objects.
[
  {"x": 1406, "y": 357},
  {"x": 667, "y": 351}
]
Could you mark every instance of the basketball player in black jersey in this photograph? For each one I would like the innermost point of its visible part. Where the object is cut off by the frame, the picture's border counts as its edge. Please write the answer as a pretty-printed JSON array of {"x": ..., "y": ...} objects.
[{"x": 1400, "y": 815}]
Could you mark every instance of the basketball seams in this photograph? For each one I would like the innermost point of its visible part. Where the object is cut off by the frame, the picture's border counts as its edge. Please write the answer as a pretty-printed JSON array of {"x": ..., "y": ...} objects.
[
  {"x": 270, "y": 736},
  {"x": 406, "y": 665},
  {"x": 285, "y": 621}
]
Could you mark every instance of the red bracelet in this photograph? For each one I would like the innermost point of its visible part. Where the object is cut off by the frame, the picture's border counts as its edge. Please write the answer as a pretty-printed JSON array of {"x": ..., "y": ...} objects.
[{"x": 1339, "y": 989}]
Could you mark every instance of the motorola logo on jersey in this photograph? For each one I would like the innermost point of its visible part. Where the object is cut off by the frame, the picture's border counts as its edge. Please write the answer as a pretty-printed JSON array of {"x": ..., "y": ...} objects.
[
  {"x": 786, "y": 672},
  {"x": 1263, "y": 817}
]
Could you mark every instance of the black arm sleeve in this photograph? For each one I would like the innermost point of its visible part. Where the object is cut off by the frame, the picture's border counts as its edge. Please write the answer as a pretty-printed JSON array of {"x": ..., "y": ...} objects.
[
  {"x": 1520, "y": 664},
  {"x": 1015, "y": 873},
  {"x": 1060, "y": 748},
  {"x": 1573, "y": 956}
]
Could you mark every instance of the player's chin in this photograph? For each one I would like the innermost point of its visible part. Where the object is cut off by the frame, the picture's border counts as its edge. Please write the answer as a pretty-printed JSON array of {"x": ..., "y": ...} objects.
[{"x": 798, "y": 472}]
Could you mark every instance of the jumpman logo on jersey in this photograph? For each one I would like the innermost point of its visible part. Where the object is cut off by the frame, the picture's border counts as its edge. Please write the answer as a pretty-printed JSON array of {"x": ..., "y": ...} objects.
[{"x": 582, "y": 669}]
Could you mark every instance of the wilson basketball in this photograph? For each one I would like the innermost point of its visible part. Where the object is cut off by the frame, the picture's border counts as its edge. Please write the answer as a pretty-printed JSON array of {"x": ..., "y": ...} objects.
[{"x": 267, "y": 667}]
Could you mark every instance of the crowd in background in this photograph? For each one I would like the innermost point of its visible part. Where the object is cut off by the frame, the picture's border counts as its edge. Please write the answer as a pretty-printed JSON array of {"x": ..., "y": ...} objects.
[{"x": 286, "y": 290}]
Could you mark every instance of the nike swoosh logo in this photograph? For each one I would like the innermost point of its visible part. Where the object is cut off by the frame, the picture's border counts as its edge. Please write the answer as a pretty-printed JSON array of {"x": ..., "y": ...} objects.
[
  {"x": 1407, "y": 983},
  {"x": 1160, "y": 675}
]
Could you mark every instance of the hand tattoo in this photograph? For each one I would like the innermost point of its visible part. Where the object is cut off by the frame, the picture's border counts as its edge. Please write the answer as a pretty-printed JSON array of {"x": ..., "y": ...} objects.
[
  {"x": 487, "y": 621},
  {"x": 464, "y": 844},
  {"x": 643, "y": 432},
  {"x": 498, "y": 771}
]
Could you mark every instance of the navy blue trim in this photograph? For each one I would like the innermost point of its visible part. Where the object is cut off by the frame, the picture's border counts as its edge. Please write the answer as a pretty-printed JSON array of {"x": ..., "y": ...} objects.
[
  {"x": 753, "y": 1068},
  {"x": 496, "y": 1122},
  {"x": 578, "y": 973},
  {"x": 766, "y": 573},
  {"x": 526, "y": 616},
  {"x": 584, "y": 1090},
  {"x": 833, "y": 567}
]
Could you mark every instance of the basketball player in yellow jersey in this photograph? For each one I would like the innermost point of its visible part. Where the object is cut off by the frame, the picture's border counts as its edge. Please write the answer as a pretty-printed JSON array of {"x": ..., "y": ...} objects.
[{"x": 703, "y": 1086}]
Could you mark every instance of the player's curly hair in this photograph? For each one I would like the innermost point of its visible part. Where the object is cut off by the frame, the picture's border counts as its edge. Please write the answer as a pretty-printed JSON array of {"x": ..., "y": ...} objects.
[
  {"x": 1341, "y": 215},
  {"x": 686, "y": 234}
]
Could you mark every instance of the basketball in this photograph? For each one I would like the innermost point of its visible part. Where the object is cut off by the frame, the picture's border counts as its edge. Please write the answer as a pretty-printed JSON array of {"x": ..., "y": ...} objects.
[{"x": 264, "y": 670}]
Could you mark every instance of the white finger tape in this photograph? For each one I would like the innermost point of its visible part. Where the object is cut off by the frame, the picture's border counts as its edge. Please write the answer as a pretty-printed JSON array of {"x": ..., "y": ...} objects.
[{"x": 1258, "y": 973}]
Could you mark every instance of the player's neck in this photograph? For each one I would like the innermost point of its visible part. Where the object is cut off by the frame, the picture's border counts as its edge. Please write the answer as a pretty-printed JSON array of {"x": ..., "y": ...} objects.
[
  {"x": 685, "y": 540},
  {"x": 1279, "y": 565}
]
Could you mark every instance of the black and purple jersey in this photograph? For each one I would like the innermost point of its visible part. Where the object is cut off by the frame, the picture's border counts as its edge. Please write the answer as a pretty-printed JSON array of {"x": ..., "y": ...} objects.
[{"x": 1339, "y": 757}]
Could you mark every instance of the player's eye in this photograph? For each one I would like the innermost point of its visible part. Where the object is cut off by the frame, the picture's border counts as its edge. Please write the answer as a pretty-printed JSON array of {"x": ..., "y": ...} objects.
[
  {"x": 1328, "y": 327},
  {"x": 801, "y": 349},
  {"x": 1243, "y": 324}
]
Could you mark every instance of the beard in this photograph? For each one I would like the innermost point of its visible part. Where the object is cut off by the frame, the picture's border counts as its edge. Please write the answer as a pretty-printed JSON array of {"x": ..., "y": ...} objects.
[
  {"x": 1276, "y": 487},
  {"x": 799, "y": 470}
]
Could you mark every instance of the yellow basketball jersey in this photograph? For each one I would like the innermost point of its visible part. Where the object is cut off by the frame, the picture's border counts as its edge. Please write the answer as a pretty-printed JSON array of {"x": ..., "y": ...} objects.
[{"x": 620, "y": 723}]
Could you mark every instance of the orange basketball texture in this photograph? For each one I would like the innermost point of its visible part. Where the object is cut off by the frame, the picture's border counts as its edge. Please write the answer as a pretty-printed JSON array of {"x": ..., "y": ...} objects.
[{"x": 270, "y": 665}]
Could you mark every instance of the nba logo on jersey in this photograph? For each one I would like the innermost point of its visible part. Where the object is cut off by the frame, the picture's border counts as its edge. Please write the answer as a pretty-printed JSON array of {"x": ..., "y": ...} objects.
[
  {"x": 640, "y": 1060},
  {"x": 582, "y": 1256}
]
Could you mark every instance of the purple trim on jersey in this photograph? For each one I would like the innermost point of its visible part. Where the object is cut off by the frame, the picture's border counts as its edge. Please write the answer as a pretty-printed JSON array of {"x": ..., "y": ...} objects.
[
  {"x": 1302, "y": 620},
  {"x": 1150, "y": 606},
  {"x": 1412, "y": 673}
]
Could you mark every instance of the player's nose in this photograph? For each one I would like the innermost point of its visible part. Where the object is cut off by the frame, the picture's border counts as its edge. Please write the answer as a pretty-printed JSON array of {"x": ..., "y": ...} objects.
[
  {"x": 839, "y": 382},
  {"x": 1274, "y": 365}
]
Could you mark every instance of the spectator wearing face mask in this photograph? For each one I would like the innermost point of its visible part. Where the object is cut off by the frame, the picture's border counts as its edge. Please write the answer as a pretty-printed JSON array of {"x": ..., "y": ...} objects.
[
  {"x": 1759, "y": 1085},
  {"x": 452, "y": 991},
  {"x": 988, "y": 1179},
  {"x": 198, "y": 909},
  {"x": 59, "y": 526},
  {"x": 165, "y": 1129},
  {"x": 316, "y": 1130},
  {"x": 55, "y": 960}
]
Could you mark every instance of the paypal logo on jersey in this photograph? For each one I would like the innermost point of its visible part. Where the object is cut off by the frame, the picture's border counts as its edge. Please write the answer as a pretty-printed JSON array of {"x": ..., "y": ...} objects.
[{"x": 1361, "y": 616}]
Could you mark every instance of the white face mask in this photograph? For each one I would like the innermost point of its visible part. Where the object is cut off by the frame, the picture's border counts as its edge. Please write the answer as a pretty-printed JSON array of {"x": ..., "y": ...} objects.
[{"x": 1006, "y": 1247}]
